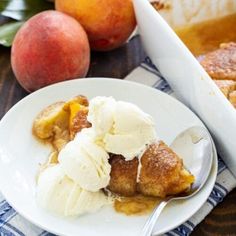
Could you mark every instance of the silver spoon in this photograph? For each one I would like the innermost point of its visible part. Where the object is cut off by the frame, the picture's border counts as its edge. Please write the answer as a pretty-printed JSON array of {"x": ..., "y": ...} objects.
[{"x": 195, "y": 147}]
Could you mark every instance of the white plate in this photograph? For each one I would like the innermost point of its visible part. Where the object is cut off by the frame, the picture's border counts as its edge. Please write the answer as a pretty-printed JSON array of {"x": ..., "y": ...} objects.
[{"x": 21, "y": 153}]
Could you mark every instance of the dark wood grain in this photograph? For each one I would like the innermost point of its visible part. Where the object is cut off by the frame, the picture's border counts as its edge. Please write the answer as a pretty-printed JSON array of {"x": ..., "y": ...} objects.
[{"x": 117, "y": 64}]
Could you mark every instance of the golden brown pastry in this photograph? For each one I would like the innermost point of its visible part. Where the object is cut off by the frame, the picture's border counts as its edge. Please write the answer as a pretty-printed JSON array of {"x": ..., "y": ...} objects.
[
  {"x": 43, "y": 126},
  {"x": 78, "y": 111},
  {"x": 78, "y": 122},
  {"x": 59, "y": 122},
  {"x": 162, "y": 173},
  {"x": 123, "y": 175},
  {"x": 221, "y": 63},
  {"x": 226, "y": 86}
]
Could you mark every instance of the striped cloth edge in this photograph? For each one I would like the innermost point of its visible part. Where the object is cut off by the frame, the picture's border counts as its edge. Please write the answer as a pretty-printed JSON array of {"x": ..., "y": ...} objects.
[{"x": 12, "y": 224}]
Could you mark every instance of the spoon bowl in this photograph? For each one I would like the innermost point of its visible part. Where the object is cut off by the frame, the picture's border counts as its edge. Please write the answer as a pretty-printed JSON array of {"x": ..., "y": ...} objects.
[{"x": 195, "y": 146}]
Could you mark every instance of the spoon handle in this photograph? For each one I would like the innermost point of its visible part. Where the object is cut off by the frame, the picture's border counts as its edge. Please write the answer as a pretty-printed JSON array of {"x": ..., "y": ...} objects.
[{"x": 149, "y": 225}]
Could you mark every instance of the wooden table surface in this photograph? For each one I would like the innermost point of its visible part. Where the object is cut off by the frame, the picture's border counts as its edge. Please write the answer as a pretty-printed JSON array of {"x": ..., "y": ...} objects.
[{"x": 117, "y": 64}]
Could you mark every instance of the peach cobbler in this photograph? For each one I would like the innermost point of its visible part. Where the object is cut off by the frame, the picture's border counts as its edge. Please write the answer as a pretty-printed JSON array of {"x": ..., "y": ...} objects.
[
  {"x": 213, "y": 42},
  {"x": 221, "y": 66},
  {"x": 105, "y": 151}
]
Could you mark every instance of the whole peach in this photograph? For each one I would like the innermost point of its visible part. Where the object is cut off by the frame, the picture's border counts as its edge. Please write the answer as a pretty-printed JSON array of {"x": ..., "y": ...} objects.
[
  {"x": 108, "y": 23},
  {"x": 50, "y": 47}
]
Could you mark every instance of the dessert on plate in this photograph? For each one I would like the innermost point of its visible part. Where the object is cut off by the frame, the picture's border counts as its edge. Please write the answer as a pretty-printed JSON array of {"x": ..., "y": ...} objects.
[{"x": 104, "y": 151}]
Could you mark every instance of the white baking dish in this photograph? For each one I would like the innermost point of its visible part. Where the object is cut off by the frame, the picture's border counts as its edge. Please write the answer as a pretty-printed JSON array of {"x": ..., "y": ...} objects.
[{"x": 188, "y": 79}]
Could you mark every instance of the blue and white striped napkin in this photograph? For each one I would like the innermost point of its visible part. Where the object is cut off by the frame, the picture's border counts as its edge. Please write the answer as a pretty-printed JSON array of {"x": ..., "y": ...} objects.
[{"x": 12, "y": 224}]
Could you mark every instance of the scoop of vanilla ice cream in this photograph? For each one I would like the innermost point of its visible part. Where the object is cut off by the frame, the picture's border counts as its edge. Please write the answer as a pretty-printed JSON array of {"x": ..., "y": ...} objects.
[
  {"x": 60, "y": 195},
  {"x": 100, "y": 114},
  {"x": 129, "y": 131},
  {"x": 85, "y": 162},
  {"x": 133, "y": 129}
]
